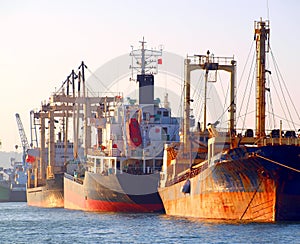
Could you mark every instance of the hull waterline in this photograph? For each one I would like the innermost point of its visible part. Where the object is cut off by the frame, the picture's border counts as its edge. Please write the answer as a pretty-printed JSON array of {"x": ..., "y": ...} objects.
[
  {"x": 100, "y": 194},
  {"x": 251, "y": 189}
]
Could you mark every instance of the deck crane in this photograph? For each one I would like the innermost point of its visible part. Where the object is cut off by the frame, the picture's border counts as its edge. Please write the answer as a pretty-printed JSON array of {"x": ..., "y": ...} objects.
[
  {"x": 24, "y": 140},
  {"x": 33, "y": 132}
]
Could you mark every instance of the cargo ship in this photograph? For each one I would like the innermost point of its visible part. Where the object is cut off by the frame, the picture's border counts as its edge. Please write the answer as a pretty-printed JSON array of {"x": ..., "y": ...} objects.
[
  {"x": 54, "y": 156},
  {"x": 44, "y": 186},
  {"x": 13, "y": 182},
  {"x": 4, "y": 191},
  {"x": 121, "y": 173},
  {"x": 244, "y": 177},
  {"x": 18, "y": 180}
]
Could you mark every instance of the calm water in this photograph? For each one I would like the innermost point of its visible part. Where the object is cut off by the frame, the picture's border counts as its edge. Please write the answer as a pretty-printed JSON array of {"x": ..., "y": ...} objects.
[{"x": 22, "y": 224}]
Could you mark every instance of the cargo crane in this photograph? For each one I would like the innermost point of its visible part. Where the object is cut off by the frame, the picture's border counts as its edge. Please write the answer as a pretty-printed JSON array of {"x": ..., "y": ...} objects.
[
  {"x": 24, "y": 141},
  {"x": 33, "y": 133}
]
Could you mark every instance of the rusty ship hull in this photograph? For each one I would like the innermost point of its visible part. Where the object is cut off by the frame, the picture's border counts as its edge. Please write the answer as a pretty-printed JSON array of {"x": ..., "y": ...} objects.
[
  {"x": 255, "y": 184},
  {"x": 112, "y": 193}
]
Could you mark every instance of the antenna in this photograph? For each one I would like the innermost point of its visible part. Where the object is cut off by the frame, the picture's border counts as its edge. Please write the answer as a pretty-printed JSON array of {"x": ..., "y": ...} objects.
[
  {"x": 144, "y": 61},
  {"x": 268, "y": 10}
]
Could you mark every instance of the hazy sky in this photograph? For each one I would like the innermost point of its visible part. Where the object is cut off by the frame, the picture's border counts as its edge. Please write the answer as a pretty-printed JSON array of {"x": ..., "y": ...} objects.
[{"x": 42, "y": 41}]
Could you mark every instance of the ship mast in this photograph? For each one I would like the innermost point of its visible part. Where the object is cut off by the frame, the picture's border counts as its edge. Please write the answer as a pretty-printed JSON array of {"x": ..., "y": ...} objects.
[
  {"x": 208, "y": 63},
  {"x": 143, "y": 57},
  {"x": 144, "y": 61},
  {"x": 262, "y": 32}
]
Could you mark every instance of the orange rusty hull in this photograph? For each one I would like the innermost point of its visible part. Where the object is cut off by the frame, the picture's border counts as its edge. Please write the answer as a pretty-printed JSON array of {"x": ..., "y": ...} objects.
[
  {"x": 242, "y": 186},
  {"x": 258, "y": 206}
]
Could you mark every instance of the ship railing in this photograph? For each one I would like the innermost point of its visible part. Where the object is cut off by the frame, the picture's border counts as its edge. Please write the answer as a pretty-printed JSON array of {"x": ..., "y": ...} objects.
[
  {"x": 190, "y": 173},
  {"x": 74, "y": 178},
  {"x": 140, "y": 170},
  {"x": 105, "y": 171},
  {"x": 128, "y": 170},
  {"x": 95, "y": 152},
  {"x": 147, "y": 153},
  {"x": 204, "y": 59},
  {"x": 282, "y": 141}
]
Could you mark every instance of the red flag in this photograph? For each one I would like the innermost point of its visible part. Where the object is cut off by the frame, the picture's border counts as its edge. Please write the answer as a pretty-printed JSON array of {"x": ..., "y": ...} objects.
[
  {"x": 159, "y": 61},
  {"x": 30, "y": 159}
]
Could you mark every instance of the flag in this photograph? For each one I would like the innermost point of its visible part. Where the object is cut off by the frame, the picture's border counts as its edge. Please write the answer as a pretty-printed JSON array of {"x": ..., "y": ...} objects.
[{"x": 30, "y": 159}]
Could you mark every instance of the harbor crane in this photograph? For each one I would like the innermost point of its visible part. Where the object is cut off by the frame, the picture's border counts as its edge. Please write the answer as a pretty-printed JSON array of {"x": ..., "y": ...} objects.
[{"x": 24, "y": 141}]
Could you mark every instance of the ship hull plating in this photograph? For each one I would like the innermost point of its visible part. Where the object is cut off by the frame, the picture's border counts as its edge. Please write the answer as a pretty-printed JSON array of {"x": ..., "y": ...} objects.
[
  {"x": 17, "y": 195},
  {"x": 113, "y": 193},
  {"x": 4, "y": 192},
  {"x": 245, "y": 187},
  {"x": 9, "y": 194},
  {"x": 50, "y": 195}
]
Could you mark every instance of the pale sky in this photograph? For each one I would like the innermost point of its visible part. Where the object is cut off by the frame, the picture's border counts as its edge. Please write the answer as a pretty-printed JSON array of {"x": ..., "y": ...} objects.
[{"x": 42, "y": 41}]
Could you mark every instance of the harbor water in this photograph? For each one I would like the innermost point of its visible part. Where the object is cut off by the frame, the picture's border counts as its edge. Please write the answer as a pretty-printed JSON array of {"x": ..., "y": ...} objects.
[{"x": 20, "y": 223}]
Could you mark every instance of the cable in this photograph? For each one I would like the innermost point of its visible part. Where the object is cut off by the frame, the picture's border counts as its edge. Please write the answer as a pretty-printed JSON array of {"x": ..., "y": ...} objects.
[
  {"x": 284, "y": 83},
  {"x": 279, "y": 76},
  {"x": 244, "y": 95}
]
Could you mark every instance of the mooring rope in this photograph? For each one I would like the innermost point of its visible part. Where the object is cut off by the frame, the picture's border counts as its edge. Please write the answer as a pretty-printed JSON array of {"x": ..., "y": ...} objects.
[
  {"x": 272, "y": 161},
  {"x": 256, "y": 190}
]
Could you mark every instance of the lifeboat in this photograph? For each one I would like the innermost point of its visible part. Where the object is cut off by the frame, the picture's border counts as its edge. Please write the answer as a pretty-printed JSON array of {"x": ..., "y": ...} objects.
[{"x": 134, "y": 132}]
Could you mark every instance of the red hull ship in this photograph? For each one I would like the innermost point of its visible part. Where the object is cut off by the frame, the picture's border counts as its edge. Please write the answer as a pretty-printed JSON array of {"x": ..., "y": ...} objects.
[
  {"x": 108, "y": 194},
  {"x": 121, "y": 173}
]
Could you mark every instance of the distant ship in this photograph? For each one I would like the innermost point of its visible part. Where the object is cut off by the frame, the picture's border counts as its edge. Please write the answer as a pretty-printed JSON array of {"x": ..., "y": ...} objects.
[
  {"x": 18, "y": 182},
  {"x": 121, "y": 173},
  {"x": 4, "y": 189},
  {"x": 13, "y": 186},
  {"x": 225, "y": 176}
]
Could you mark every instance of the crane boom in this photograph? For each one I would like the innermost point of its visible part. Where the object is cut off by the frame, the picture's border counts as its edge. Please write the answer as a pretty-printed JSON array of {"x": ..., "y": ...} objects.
[{"x": 24, "y": 141}]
